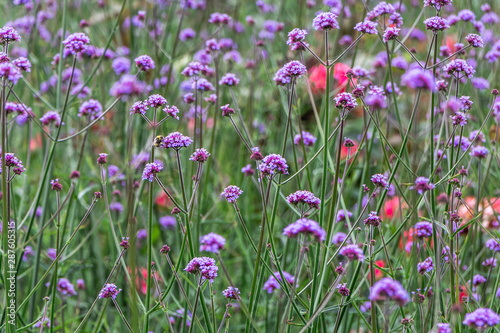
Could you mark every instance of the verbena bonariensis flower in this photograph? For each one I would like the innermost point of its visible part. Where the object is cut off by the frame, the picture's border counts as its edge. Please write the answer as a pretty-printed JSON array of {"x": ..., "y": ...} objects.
[
  {"x": 345, "y": 100},
  {"x": 12, "y": 161},
  {"x": 459, "y": 119},
  {"x": 23, "y": 64},
  {"x": 294, "y": 69},
  {"x": 271, "y": 284},
  {"x": 10, "y": 71},
  {"x": 212, "y": 242},
  {"x": 194, "y": 68},
  {"x": 474, "y": 40},
  {"x": 176, "y": 141},
  {"x": 155, "y": 101},
  {"x": 151, "y": 170},
  {"x": 443, "y": 328},
  {"x": 218, "y": 18},
  {"x": 367, "y": 27},
  {"x": 205, "y": 266},
  {"x": 80, "y": 284},
  {"x": 76, "y": 43},
  {"x": 352, "y": 252},
  {"x": 466, "y": 15},
  {"x": 481, "y": 318},
  {"x": 55, "y": 185},
  {"x": 273, "y": 164},
  {"x": 247, "y": 170},
  {"x": 200, "y": 155},
  {"x": 437, "y": 3},
  {"x": 295, "y": 36},
  {"x": 307, "y": 227},
  {"x": 226, "y": 110},
  {"x": 390, "y": 33},
  {"x": 492, "y": 244},
  {"x": 479, "y": 152},
  {"x": 373, "y": 219},
  {"x": 341, "y": 215},
  {"x": 307, "y": 138},
  {"x": 172, "y": 111},
  {"x": 380, "y": 9},
  {"x": 423, "y": 185},
  {"x": 425, "y": 266},
  {"x": 490, "y": 262},
  {"x": 51, "y": 117},
  {"x": 379, "y": 180},
  {"x": 90, "y": 108},
  {"x": 325, "y": 21},
  {"x": 229, "y": 80},
  {"x": 8, "y": 34},
  {"x": 436, "y": 23},
  {"x": 168, "y": 222},
  {"x": 232, "y": 193},
  {"x": 65, "y": 287},
  {"x": 281, "y": 77},
  {"x": 231, "y": 293},
  {"x": 202, "y": 85},
  {"x": 417, "y": 78},
  {"x": 478, "y": 279},
  {"x": 343, "y": 290},
  {"x": 110, "y": 290},
  {"x": 121, "y": 65},
  {"x": 423, "y": 229},
  {"x": 389, "y": 289},
  {"x": 395, "y": 19},
  {"x": 303, "y": 197},
  {"x": 144, "y": 62},
  {"x": 338, "y": 238},
  {"x": 457, "y": 66},
  {"x": 139, "y": 107}
]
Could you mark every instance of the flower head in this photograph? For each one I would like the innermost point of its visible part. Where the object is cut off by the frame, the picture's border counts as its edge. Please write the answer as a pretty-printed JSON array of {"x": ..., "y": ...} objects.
[
  {"x": 51, "y": 117},
  {"x": 325, "y": 21},
  {"x": 23, "y": 64},
  {"x": 176, "y": 141},
  {"x": 231, "y": 293},
  {"x": 65, "y": 287},
  {"x": 272, "y": 284},
  {"x": 232, "y": 193},
  {"x": 305, "y": 226},
  {"x": 8, "y": 34},
  {"x": 417, "y": 78},
  {"x": 172, "y": 111},
  {"x": 203, "y": 265},
  {"x": 425, "y": 266},
  {"x": 352, "y": 252},
  {"x": 151, "y": 170},
  {"x": 296, "y": 36},
  {"x": 212, "y": 242},
  {"x": 229, "y": 80},
  {"x": 457, "y": 66},
  {"x": 474, "y": 40},
  {"x": 481, "y": 318},
  {"x": 144, "y": 62},
  {"x": 218, "y": 18},
  {"x": 423, "y": 229},
  {"x": 345, "y": 100},
  {"x": 379, "y": 180},
  {"x": 273, "y": 164},
  {"x": 436, "y": 23},
  {"x": 155, "y": 101},
  {"x": 307, "y": 138},
  {"x": 200, "y": 155},
  {"x": 389, "y": 289},
  {"x": 367, "y": 27},
  {"x": 423, "y": 184},
  {"x": 390, "y": 33},
  {"x": 303, "y": 197},
  {"x": 91, "y": 108},
  {"x": 110, "y": 290},
  {"x": 373, "y": 219},
  {"x": 76, "y": 43}
]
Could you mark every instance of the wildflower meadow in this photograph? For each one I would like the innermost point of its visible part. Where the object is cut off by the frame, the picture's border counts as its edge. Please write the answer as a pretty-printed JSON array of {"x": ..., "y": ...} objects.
[{"x": 250, "y": 166}]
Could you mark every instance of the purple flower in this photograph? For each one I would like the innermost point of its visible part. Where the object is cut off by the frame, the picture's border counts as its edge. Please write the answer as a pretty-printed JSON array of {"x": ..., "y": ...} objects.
[
  {"x": 423, "y": 184},
  {"x": 478, "y": 279},
  {"x": 186, "y": 34},
  {"x": 436, "y": 23},
  {"x": 294, "y": 69},
  {"x": 212, "y": 243},
  {"x": 144, "y": 62},
  {"x": 373, "y": 219},
  {"x": 307, "y": 227},
  {"x": 325, "y": 21},
  {"x": 247, "y": 170},
  {"x": 172, "y": 111},
  {"x": 474, "y": 40},
  {"x": 395, "y": 19},
  {"x": 176, "y": 141},
  {"x": 490, "y": 262},
  {"x": 423, "y": 229},
  {"x": 380, "y": 9},
  {"x": 8, "y": 34},
  {"x": 459, "y": 119},
  {"x": 296, "y": 36},
  {"x": 203, "y": 265},
  {"x": 352, "y": 252},
  {"x": 480, "y": 83},
  {"x": 200, "y": 155},
  {"x": 51, "y": 117},
  {"x": 271, "y": 284},
  {"x": 139, "y": 107},
  {"x": 218, "y": 18},
  {"x": 338, "y": 238},
  {"x": 52, "y": 253},
  {"x": 272, "y": 164},
  {"x": 151, "y": 170},
  {"x": 202, "y": 85},
  {"x": 76, "y": 42},
  {"x": 425, "y": 266},
  {"x": 121, "y": 65},
  {"x": 110, "y": 290},
  {"x": 367, "y": 27},
  {"x": 458, "y": 66},
  {"x": 303, "y": 197},
  {"x": 10, "y": 71},
  {"x": 229, "y": 80},
  {"x": 90, "y": 108},
  {"x": 231, "y": 293},
  {"x": 345, "y": 100},
  {"x": 65, "y": 287},
  {"x": 341, "y": 215},
  {"x": 28, "y": 250},
  {"x": 376, "y": 98},
  {"x": 127, "y": 85},
  {"x": 155, "y": 101},
  {"x": 479, "y": 152},
  {"x": 194, "y": 68},
  {"x": 390, "y": 33},
  {"x": 437, "y": 3},
  {"x": 232, "y": 193},
  {"x": 80, "y": 284},
  {"x": 379, "y": 180},
  {"x": 307, "y": 138},
  {"x": 168, "y": 222},
  {"x": 492, "y": 244},
  {"x": 466, "y": 15},
  {"x": 23, "y": 64},
  {"x": 417, "y": 78},
  {"x": 482, "y": 317},
  {"x": 116, "y": 207},
  {"x": 389, "y": 289},
  {"x": 142, "y": 234}
]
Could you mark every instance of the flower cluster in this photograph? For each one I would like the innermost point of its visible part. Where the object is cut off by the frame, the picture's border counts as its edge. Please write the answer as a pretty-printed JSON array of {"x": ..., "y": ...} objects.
[
  {"x": 423, "y": 229},
  {"x": 352, "y": 252},
  {"x": 389, "y": 289},
  {"x": 90, "y": 108},
  {"x": 176, "y": 141},
  {"x": 303, "y": 197},
  {"x": 425, "y": 266},
  {"x": 325, "y": 21},
  {"x": 231, "y": 293},
  {"x": 367, "y": 27},
  {"x": 373, "y": 219},
  {"x": 436, "y": 23},
  {"x": 273, "y": 164},
  {"x": 305, "y": 226},
  {"x": 110, "y": 290},
  {"x": 65, "y": 287},
  {"x": 457, "y": 66},
  {"x": 423, "y": 185},
  {"x": 232, "y": 193},
  {"x": 271, "y": 284},
  {"x": 144, "y": 62},
  {"x": 151, "y": 170},
  {"x": 307, "y": 138},
  {"x": 481, "y": 318},
  {"x": 229, "y": 80},
  {"x": 76, "y": 43},
  {"x": 212, "y": 242},
  {"x": 203, "y": 265},
  {"x": 345, "y": 101}
]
